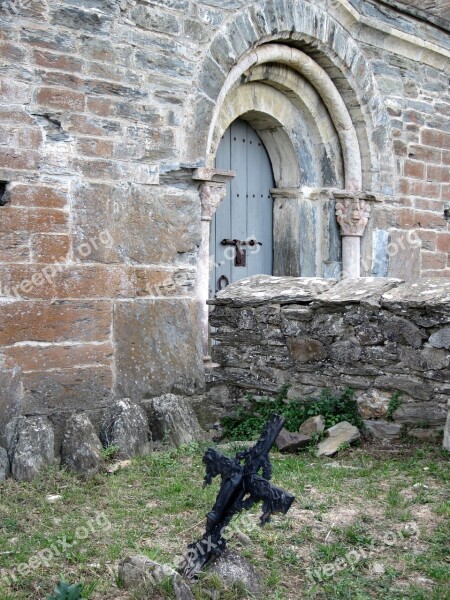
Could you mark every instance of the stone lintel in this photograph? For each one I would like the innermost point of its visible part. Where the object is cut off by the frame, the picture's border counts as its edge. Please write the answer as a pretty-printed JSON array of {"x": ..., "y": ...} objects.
[
  {"x": 208, "y": 175},
  {"x": 307, "y": 193}
]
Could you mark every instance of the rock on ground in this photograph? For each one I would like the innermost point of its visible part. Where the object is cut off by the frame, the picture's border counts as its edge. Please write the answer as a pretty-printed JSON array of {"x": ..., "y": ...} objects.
[
  {"x": 342, "y": 433},
  {"x": 139, "y": 572},
  {"x": 4, "y": 465},
  {"x": 291, "y": 442},
  {"x": 312, "y": 426},
  {"x": 173, "y": 421},
  {"x": 426, "y": 434},
  {"x": 81, "y": 448},
  {"x": 30, "y": 445},
  {"x": 125, "y": 425},
  {"x": 234, "y": 570},
  {"x": 384, "y": 430}
]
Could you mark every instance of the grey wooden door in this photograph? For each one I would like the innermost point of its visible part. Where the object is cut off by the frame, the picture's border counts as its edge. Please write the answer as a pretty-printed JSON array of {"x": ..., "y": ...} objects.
[{"x": 245, "y": 214}]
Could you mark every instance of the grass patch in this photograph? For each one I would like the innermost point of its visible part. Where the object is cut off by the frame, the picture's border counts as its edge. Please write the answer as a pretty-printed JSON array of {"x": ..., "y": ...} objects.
[{"x": 367, "y": 504}]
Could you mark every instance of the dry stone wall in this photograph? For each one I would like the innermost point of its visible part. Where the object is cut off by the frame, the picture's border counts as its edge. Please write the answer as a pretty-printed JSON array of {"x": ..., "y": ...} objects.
[{"x": 377, "y": 336}]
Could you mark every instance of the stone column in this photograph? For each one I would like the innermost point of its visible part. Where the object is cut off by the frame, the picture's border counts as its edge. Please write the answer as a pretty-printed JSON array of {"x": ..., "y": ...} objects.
[
  {"x": 352, "y": 213},
  {"x": 212, "y": 189}
]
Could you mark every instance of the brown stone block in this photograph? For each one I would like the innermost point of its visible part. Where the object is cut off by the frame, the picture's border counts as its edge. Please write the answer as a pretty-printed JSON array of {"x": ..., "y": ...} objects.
[
  {"x": 413, "y": 187},
  {"x": 38, "y": 196},
  {"x": 158, "y": 348},
  {"x": 442, "y": 273},
  {"x": 305, "y": 350},
  {"x": 436, "y": 138},
  {"x": 16, "y": 114},
  {"x": 404, "y": 257},
  {"x": 54, "y": 322},
  {"x": 149, "y": 226},
  {"x": 19, "y": 159},
  {"x": 84, "y": 125},
  {"x": 97, "y": 148},
  {"x": 103, "y": 107},
  {"x": 60, "y": 99},
  {"x": 425, "y": 153},
  {"x": 443, "y": 242},
  {"x": 411, "y": 219},
  {"x": 32, "y": 220},
  {"x": 14, "y": 247},
  {"x": 62, "y": 281},
  {"x": 414, "y": 168},
  {"x": 39, "y": 358},
  {"x": 57, "y": 61},
  {"x": 49, "y": 248},
  {"x": 438, "y": 174},
  {"x": 434, "y": 260},
  {"x": 58, "y": 79},
  {"x": 424, "y": 204},
  {"x": 67, "y": 390},
  {"x": 11, "y": 53},
  {"x": 428, "y": 239}
]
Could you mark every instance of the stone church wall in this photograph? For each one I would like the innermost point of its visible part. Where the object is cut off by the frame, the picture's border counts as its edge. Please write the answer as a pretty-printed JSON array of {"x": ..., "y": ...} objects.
[
  {"x": 104, "y": 108},
  {"x": 378, "y": 337}
]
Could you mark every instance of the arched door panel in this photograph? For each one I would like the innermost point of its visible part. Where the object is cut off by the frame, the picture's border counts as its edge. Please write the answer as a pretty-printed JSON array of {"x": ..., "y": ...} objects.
[{"x": 246, "y": 214}]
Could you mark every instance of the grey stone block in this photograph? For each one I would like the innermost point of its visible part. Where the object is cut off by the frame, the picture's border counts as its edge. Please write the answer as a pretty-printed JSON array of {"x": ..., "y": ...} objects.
[
  {"x": 173, "y": 421},
  {"x": 125, "y": 425},
  {"x": 81, "y": 449},
  {"x": 30, "y": 445}
]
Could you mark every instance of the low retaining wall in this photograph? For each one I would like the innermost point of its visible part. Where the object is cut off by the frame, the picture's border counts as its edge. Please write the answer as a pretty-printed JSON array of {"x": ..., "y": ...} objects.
[{"x": 377, "y": 336}]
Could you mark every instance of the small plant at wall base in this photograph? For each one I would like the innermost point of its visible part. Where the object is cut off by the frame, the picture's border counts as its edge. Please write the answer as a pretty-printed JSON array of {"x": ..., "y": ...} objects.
[
  {"x": 110, "y": 452},
  {"x": 394, "y": 403},
  {"x": 248, "y": 422}
]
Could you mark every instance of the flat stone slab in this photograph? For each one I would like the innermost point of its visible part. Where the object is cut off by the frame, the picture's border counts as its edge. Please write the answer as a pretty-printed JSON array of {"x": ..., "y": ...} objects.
[
  {"x": 291, "y": 442},
  {"x": 384, "y": 430},
  {"x": 358, "y": 290},
  {"x": 342, "y": 433},
  {"x": 261, "y": 289},
  {"x": 433, "y": 291}
]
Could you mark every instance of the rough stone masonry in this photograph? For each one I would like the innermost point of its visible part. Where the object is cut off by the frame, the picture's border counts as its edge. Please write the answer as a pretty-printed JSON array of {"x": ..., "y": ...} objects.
[
  {"x": 378, "y": 336},
  {"x": 110, "y": 115}
]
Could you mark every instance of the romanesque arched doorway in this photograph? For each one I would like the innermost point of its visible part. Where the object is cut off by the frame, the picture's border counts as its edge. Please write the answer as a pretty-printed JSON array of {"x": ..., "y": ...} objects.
[{"x": 241, "y": 241}]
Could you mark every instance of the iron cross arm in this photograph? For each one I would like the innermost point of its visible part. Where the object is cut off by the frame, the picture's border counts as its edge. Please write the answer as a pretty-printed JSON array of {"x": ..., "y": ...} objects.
[{"x": 244, "y": 483}]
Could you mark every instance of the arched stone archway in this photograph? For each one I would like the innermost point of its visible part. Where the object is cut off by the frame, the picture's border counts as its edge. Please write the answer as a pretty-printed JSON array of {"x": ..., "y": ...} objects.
[{"x": 301, "y": 81}]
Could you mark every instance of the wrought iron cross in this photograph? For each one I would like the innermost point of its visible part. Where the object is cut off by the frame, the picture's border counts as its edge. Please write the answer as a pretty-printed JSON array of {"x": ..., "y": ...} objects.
[{"x": 241, "y": 488}]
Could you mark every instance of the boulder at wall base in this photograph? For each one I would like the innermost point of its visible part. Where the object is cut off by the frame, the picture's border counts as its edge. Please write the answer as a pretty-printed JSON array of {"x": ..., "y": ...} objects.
[
  {"x": 81, "y": 448},
  {"x": 385, "y": 430},
  {"x": 140, "y": 573},
  {"x": 291, "y": 442},
  {"x": 312, "y": 426},
  {"x": 342, "y": 433},
  {"x": 125, "y": 426},
  {"x": 173, "y": 421},
  {"x": 234, "y": 570},
  {"x": 4, "y": 465},
  {"x": 30, "y": 445}
]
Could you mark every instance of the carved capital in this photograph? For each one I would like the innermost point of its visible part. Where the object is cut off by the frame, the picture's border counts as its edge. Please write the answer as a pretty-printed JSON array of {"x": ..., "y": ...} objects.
[
  {"x": 352, "y": 213},
  {"x": 211, "y": 196}
]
